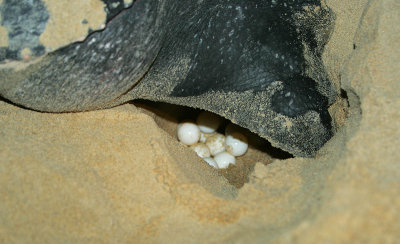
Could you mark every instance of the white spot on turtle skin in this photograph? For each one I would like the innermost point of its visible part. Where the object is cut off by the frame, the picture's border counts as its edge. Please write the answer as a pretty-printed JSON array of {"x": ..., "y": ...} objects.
[
  {"x": 107, "y": 46},
  {"x": 240, "y": 12},
  {"x": 117, "y": 71},
  {"x": 137, "y": 54},
  {"x": 287, "y": 94},
  {"x": 93, "y": 40},
  {"x": 115, "y": 5}
]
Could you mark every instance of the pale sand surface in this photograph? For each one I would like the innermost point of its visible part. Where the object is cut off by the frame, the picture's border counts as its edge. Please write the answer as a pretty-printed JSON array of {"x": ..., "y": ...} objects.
[{"x": 116, "y": 176}]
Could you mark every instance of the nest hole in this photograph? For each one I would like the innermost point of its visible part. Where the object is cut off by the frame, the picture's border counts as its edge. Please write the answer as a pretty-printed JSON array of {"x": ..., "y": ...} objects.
[{"x": 167, "y": 116}]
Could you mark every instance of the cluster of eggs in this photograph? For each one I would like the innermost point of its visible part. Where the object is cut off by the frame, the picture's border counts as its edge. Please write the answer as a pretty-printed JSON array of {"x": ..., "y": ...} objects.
[{"x": 216, "y": 149}]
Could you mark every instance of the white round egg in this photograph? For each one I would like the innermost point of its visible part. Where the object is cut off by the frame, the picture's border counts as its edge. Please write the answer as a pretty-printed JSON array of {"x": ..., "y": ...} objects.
[
  {"x": 216, "y": 143},
  {"x": 208, "y": 122},
  {"x": 201, "y": 149},
  {"x": 236, "y": 144},
  {"x": 223, "y": 159},
  {"x": 211, "y": 162},
  {"x": 188, "y": 133}
]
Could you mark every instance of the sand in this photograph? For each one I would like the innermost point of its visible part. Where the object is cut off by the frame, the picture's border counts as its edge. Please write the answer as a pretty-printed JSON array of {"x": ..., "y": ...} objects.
[
  {"x": 70, "y": 21},
  {"x": 119, "y": 175}
]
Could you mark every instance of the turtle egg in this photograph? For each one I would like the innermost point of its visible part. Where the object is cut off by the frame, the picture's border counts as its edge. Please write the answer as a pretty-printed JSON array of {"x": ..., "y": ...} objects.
[
  {"x": 204, "y": 136},
  {"x": 208, "y": 122},
  {"x": 223, "y": 159},
  {"x": 216, "y": 143},
  {"x": 211, "y": 162},
  {"x": 231, "y": 127},
  {"x": 188, "y": 133},
  {"x": 236, "y": 144},
  {"x": 201, "y": 149}
]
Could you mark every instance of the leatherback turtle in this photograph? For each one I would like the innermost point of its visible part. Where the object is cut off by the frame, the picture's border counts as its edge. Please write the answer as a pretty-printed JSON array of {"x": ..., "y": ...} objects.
[{"x": 255, "y": 62}]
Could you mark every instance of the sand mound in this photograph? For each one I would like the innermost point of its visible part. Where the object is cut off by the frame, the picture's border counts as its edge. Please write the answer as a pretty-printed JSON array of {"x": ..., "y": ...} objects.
[{"x": 115, "y": 176}]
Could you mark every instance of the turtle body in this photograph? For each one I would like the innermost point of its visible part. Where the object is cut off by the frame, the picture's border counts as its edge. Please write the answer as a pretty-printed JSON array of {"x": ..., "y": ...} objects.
[{"x": 257, "y": 63}]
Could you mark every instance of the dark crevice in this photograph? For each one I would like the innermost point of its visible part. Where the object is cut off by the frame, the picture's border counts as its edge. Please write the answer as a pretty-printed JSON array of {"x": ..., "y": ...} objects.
[{"x": 344, "y": 96}]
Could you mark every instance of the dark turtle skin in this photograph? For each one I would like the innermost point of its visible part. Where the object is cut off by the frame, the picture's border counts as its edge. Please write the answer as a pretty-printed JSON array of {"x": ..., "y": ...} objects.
[{"x": 257, "y": 63}]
